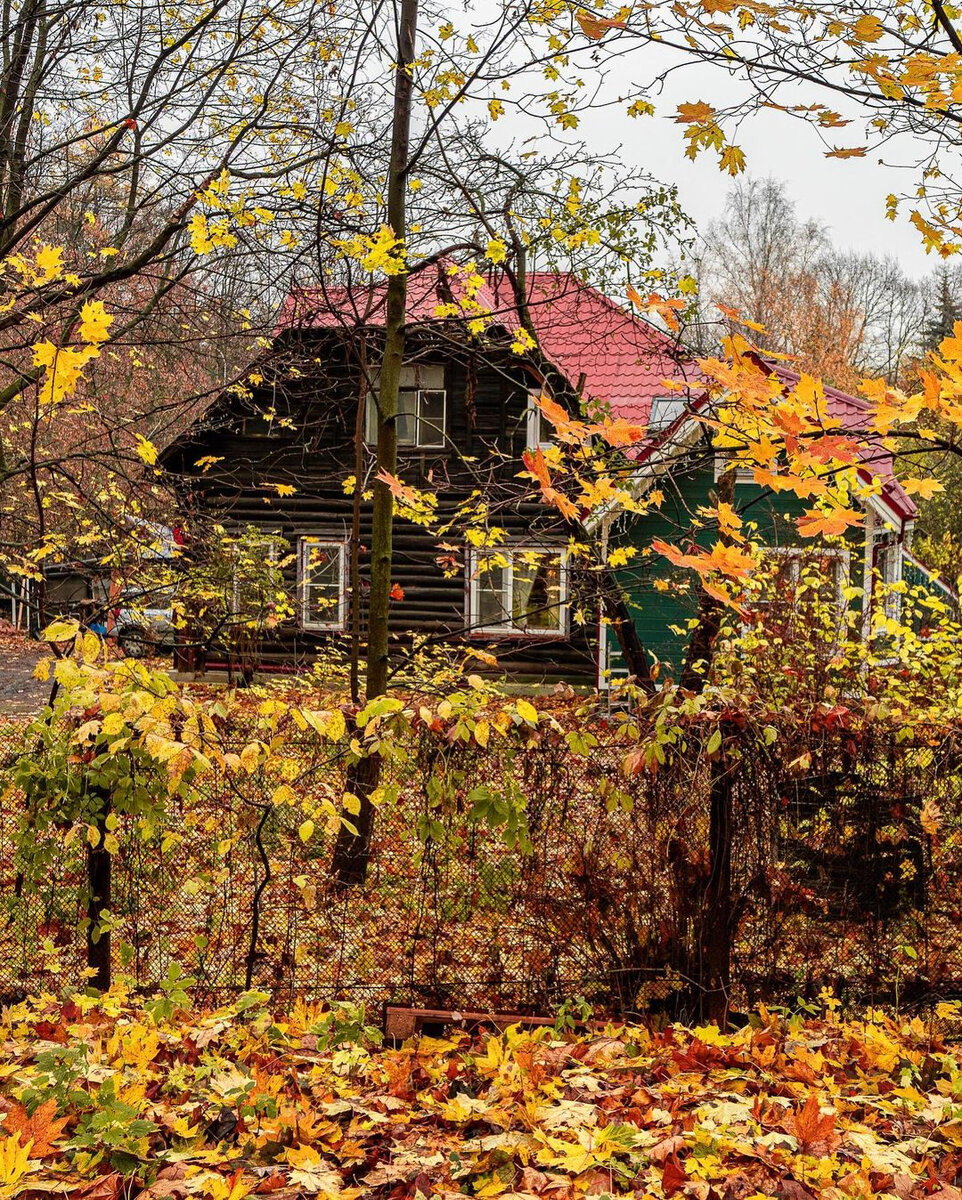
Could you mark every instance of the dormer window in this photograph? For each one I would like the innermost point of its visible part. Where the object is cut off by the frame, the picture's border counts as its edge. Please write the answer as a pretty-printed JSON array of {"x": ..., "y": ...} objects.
[
  {"x": 665, "y": 411},
  {"x": 540, "y": 433},
  {"x": 421, "y": 409}
]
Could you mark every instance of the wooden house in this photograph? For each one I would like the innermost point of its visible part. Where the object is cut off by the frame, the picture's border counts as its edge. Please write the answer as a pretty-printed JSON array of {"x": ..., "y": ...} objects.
[
  {"x": 679, "y": 459},
  {"x": 285, "y": 457}
]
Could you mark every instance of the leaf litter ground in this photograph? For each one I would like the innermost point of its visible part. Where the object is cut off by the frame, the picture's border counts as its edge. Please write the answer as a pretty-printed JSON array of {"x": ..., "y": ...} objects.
[{"x": 108, "y": 1097}]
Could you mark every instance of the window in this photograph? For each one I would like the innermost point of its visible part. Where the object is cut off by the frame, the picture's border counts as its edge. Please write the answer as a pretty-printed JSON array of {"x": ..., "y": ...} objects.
[
  {"x": 321, "y": 581},
  {"x": 887, "y": 554},
  {"x": 518, "y": 590},
  {"x": 540, "y": 429},
  {"x": 665, "y": 411},
  {"x": 421, "y": 406},
  {"x": 743, "y": 474}
]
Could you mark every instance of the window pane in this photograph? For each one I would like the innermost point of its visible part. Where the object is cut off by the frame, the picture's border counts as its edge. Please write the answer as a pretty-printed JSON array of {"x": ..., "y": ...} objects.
[
  {"x": 431, "y": 418},
  {"x": 665, "y": 410},
  {"x": 537, "y": 591},
  {"x": 407, "y": 402},
  {"x": 322, "y": 584},
  {"x": 492, "y": 608},
  {"x": 370, "y": 420},
  {"x": 540, "y": 429}
]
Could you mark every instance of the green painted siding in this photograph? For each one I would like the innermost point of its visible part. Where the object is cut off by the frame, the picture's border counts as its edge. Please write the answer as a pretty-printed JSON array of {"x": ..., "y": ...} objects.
[
  {"x": 915, "y": 575},
  {"x": 655, "y": 611}
]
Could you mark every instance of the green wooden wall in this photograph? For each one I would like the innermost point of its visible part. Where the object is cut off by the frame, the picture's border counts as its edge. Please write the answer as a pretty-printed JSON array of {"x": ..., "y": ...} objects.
[{"x": 689, "y": 487}]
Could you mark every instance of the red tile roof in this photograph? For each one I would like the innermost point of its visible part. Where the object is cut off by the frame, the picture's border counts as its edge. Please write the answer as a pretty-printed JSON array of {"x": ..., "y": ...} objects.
[{"x": 623, "y": 359}]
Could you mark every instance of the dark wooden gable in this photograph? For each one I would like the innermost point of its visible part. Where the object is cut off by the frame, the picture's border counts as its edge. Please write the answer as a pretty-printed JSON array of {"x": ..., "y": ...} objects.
[{"x": 296, "y": 429}]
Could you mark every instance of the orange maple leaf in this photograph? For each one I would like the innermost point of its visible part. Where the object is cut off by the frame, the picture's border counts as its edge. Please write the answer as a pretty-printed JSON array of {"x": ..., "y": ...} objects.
[
  {"x": 397, "y": 592},
  {"x": 815, "y": 521},
  {"x": 399, "y": 489},
  {"x": 596, "y": 27},
  {"x": 832, "y": 445},
  {"x": 694, "y": 114},
  {"x": 42, "y": 1129},
  {"x": 564, "y": 426},
  {"x": 538, "y": 468},
  {"x": 815, "y": 1131},
  {"x": 727, "y": 560},
  {"x": 621, "y": 432}
]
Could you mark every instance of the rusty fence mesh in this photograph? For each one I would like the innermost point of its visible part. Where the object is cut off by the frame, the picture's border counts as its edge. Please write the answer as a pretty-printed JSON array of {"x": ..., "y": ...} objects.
[{"x": 846, "y": 865}]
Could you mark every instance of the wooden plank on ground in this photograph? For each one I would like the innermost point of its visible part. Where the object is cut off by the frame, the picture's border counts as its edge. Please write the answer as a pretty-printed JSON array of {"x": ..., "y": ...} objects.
[{"x": 401, "y": 1022}]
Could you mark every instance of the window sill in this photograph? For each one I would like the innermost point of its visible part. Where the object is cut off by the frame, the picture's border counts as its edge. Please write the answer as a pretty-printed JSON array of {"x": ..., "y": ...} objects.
[
  {"x": 501, "y": 634},
  {"x": 371, "y": 447}
]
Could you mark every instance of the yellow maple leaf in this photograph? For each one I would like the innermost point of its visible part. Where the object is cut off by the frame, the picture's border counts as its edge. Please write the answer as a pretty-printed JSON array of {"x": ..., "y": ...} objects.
[
  {"x": 926, "y": 488},
  {"x": 15, "y": 1161},
  {"x": 868, "y": 28},
  {"x": 49, "y": 264},
  {"x": 95, "y": 322},
  {"x": 732, "y": 160},
  {"x": 146, "y": 450}
]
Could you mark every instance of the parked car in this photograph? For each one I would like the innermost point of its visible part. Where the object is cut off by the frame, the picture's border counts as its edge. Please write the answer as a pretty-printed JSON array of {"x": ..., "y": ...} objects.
[{"x": 144, "y": 622}]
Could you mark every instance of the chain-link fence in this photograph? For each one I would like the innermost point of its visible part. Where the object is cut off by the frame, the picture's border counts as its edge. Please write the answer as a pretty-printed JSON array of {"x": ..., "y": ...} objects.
[{"x": 512, "y": 881}]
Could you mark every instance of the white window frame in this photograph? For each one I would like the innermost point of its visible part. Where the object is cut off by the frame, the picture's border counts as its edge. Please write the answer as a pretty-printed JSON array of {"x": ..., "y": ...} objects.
[
  {"x": 305, "y": 544},
  {"x": 892, "y": 600},
  {"x": 512, "y": 630},
  {"x": 663, "y": 425},
  {"x": 534, "y": 417},
  {"x": 742, "y": 474},
  {"x": 412, "y": 373}
]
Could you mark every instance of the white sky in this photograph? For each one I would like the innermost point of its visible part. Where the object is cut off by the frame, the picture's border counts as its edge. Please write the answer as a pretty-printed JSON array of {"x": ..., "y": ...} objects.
[{"x": 847, "y": 195}]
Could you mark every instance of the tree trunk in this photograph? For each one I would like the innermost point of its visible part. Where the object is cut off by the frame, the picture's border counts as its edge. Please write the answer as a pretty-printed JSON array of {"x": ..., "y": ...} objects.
[
  {"x": 715, "y": 924},
  {"x": 694, "y": 673},
  {"x": 355, "y": 564},
  {"x": 352, "y": 850},
  {"x": 629, "y": 643}
]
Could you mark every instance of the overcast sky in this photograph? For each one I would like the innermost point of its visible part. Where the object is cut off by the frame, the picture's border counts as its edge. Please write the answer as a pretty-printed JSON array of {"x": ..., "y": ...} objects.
[{"x": 847, "y": 195}]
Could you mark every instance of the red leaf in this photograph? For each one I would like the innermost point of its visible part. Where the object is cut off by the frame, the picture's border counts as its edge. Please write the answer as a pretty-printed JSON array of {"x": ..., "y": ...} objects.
[{"x": 673, "y": 1177}]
